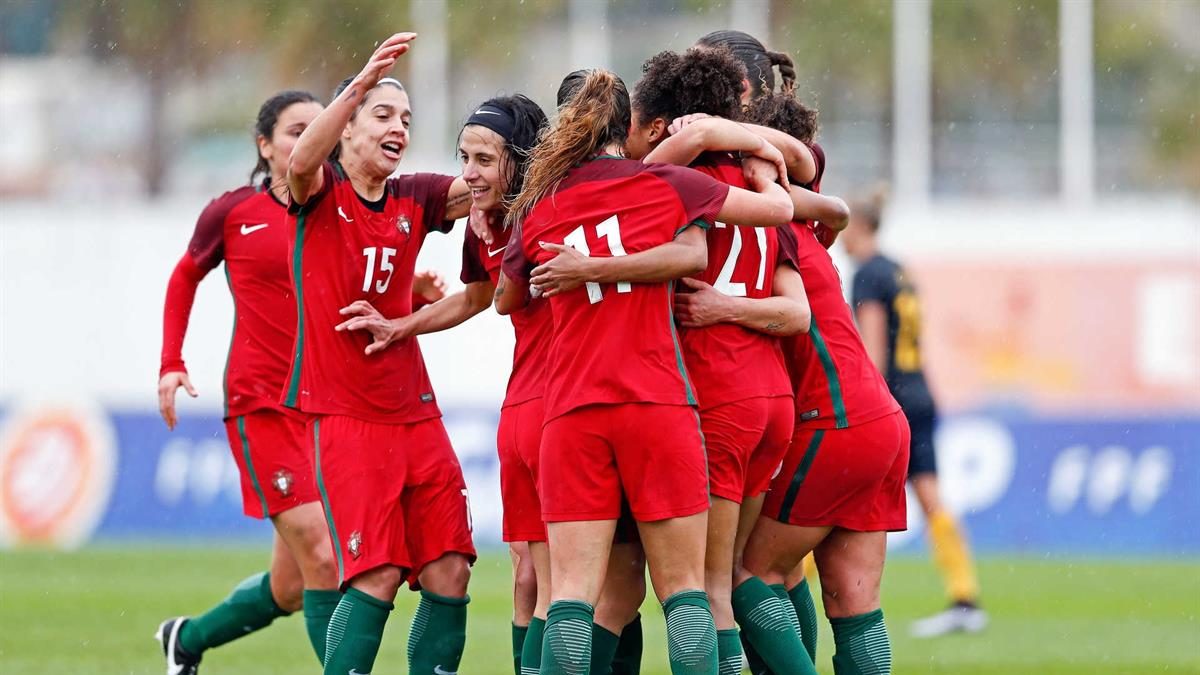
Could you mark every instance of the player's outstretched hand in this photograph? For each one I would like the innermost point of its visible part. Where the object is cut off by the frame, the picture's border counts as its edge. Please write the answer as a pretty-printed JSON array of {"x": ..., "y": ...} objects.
[
  {"x": 765, "y": 166},
  {"x": 479, "y": 222},
  {"x": 167, "y": 386},
  {"x": 383, "y": 59},
  {"x": 363, "y": 316},
  {"x": 701, "y": 305},
  {"x": 564, "y": 272},
  {"x": 430, "y": 284}
]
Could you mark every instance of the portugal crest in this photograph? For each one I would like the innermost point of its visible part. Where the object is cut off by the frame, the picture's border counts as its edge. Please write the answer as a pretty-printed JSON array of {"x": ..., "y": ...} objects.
[
  {"x": 282, "y": 482},
  {"x": 404, "y": 224},
  {"x": 354, "y": 544}
]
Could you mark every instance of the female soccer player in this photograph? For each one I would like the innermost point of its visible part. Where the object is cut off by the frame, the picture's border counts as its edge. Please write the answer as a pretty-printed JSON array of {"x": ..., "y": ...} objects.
[
  {"x": 619, "y": 400},
  {"x": 246, "y": 228},
  {"x": 889, "y": 319},
  {"x": 494, "y": 147},
  {"x": 391, "y": 485}
]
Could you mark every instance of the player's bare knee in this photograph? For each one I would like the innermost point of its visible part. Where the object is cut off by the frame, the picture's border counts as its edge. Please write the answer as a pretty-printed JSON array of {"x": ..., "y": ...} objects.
[{"x": 449, "y": 575}]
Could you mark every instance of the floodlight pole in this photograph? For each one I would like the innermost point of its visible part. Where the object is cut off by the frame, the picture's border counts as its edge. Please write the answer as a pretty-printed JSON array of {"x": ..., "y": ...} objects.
[
  {"x": 589, "y": 31},
  {"x": 430, "y": 78},
  {"x": 912, "y": 135},
  {"x": 1076, "y": 149}
]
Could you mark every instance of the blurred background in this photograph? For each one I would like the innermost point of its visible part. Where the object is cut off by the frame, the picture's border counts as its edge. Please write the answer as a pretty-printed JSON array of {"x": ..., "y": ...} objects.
[{"x": 1044, "y": 164}]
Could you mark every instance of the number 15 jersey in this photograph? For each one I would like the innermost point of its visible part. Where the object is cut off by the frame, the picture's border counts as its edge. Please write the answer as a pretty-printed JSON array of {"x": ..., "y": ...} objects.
[
  {"x": 345, "y": 249},
  {"x": 615, "y": 343}
]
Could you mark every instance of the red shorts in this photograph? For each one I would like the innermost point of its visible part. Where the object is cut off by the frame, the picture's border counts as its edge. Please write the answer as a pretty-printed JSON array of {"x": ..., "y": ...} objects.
[
  {"x": 850, "y": 478},
  {"x": 746, "y": 441},
  {"x": 651, "y": 452},
  {"x": 518, "y": 440},
  {"x": 394, "y": 494},
  {"x": 275, "y": 468}
]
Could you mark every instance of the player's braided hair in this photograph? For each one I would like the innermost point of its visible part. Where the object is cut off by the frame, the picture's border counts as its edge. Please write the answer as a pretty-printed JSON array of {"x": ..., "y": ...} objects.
[
  {"x": 597, "y": 115},
  {"x": 528, "y": 123},
  {"x": 268, "y": 118},
  {"x": 701, "y": 80},
  {"x": 759, "y": 62},
  {"x": 783, "y": 111}
]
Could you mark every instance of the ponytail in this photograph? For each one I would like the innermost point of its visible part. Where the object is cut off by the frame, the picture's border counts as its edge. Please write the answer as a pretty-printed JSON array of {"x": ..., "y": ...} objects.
[
  {"x": 787, "y": 71},
  {"x": 597, "y": 115}
]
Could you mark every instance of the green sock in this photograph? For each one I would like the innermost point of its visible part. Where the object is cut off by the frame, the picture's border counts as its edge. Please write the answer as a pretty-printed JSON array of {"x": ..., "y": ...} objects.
[
  {"x": 248, "y": 608},
  {"x": 767, "y": 626},
  {"x": 806, "y": 613},
  {"x": 531, "y": 652},
  {"x": 438, "y": 635},
  {"x": 691, "y": 634},
  {"x": 729, "y": 652},
  {"x": 862, "y": 645},
  {"x": 318, "y": 607},
  {"x": 518, "y": 643},
  {"x": 757, "y": 667},
  {"x": 567, "y": 644},
  {"x": 781, "y": 592},
  {"x": 355, "y": 630},
  {"x": 604, "y": 650},
  {"x": 628, "y": 660}
]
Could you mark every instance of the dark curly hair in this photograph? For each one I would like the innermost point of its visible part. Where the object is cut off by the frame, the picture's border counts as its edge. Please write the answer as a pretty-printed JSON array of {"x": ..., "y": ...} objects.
[
  {"x": 786, "y": 113},
  {"x": 529, "y": 122},
  {"x": 705, "y": 80},
  {"x": 268, "y": 117},
  {"x": 760, "y": 63}
]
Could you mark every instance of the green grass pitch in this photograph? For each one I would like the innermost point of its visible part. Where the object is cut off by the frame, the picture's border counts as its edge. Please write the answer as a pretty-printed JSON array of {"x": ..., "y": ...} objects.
[{"x": 94, "y": 612}]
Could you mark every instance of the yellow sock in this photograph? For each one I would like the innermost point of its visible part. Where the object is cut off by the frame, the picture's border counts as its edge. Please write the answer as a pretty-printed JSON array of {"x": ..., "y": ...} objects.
[{"x": 953, "y": 558}]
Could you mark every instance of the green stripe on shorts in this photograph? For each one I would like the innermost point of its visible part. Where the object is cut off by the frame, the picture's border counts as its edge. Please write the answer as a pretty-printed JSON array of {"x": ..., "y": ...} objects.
[
  {"x": 262, "y": 499},
  {"x": 810, "y": 453},
  {"x": 337, "y": 542}
]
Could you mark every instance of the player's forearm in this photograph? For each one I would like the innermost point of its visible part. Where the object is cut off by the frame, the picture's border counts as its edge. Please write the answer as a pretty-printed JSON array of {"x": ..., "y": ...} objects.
[
  {"x": 775, "y": 315},
  {"x": 509, "y": 297},
  {"x": 665, "y": 262},
  {"x": 448, "y": 312},
  {"x": 318, "y": 140},
  {"x": 802, "y": 166},
  {"x": 177, "y": 311},
  {"x": 829, "y": 210},
  {"x": 710, "y": 134}
]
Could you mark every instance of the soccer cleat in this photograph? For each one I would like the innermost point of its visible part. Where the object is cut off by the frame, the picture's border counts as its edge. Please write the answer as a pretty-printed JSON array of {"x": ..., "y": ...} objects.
[
  {"x": 961, "y": 617},
  {"x": 179, "y": 662}
]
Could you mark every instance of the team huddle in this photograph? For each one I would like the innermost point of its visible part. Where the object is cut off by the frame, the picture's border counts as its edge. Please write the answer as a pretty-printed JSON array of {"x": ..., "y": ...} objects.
[{"x": 689, "y": 396}]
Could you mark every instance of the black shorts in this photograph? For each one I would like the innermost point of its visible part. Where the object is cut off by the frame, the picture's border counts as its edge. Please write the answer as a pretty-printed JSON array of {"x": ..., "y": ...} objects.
[{"x": 922, "y": 458}]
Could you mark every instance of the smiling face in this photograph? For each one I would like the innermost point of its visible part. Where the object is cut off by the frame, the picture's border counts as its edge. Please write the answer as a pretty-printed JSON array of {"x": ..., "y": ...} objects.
[
  {"x": 375, "y": 138},
  {"x": 487, "y": 168},
  {"x": 292, "y": 122}
]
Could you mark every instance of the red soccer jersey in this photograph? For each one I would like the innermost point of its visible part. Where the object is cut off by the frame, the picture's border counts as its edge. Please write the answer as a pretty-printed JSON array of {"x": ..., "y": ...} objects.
[
  {"x": 836, "y": 384},
  {"x": 343, "y": 250},
  {"x": 247, "y": 229},
  {"x": 726, "y": 361},
  {"x": 615, "y": 343},
  {"x": 532, "y": 325}
]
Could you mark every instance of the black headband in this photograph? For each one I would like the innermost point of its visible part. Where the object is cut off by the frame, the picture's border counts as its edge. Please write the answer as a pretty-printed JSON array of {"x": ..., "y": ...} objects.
[{"x": 495, "y": 118}]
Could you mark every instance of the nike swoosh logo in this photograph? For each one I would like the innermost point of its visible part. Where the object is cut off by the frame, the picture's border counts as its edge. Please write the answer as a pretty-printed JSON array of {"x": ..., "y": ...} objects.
[
  {"x": 247, "y": 229},
  {"x": 348, "y": 220},
  {"x": 492, "y": 254},
  {"x": 438, "y": 671},
  {"x": 355, "y": 672},
  {"x": 485, "y": 112}
]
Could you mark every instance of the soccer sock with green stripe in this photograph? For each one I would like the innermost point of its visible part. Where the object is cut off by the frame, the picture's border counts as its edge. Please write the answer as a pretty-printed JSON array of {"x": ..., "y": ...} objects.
[
  {"x": 628, "y": 660},
  {"x": 531, "y": 652},
  {"x": 604, "y": 650},
  {"x": 248, "y": 608},
  {"x": 318, "y": 607},
  {"x": 862, "y": 645},
  {"x": 355, "y": 630},
  {"x": 806, "y": 613},
  {"x": 757, "y": 667},
  {"x": 729, "y": 652},
  {"x": 567, "y": 644},
  {"x": 768, "y": 626},
  {"x": 781, "y": 592},
  {"x": 691, "y": 634},
  {"x": 438, "y": 634},
  {"x": 518, "y": 643}
]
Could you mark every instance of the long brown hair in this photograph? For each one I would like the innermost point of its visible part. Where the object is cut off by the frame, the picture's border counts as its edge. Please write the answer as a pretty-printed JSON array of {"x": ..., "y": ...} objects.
[{"x": 596, "y": 116}]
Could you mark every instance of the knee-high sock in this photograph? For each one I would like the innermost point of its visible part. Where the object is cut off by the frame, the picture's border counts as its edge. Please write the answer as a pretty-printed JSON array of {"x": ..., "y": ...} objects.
[
  {"x": 531, "y": 651},
  {"x": 438, "y": 635},
  {"x": 691, "y": 634},
  {"x": 806, "y": 613},
  {"x": 318, "y": 608},
  {"x": 518, "y": 644},
  {"x": 862, "y": 645},
  {"x": 628, "y": 660},
  {"x": 249, "y": 607},
  {"x": 729, "y": 652},
  {"x": 567, "y": 643},
  {"x": 604, "y": 650},
  {"x": 952, "y": 556},
  {"x": 355, "y": 630},
  {"x": 769, "y": 627}
]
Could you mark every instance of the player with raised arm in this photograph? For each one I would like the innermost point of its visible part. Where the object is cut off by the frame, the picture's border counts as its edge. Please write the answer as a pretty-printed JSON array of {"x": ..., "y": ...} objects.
[
  {"x": 889, "y": 318},
  {"x": 616, "y": 383},
  {"x": 247, "y": 230},
  {"x": 392, "y": 487}
]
